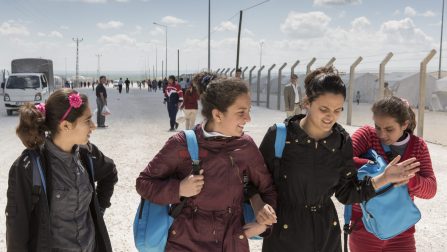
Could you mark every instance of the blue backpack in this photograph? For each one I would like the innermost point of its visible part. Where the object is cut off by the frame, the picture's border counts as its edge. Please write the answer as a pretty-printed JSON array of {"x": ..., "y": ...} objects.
[{"x": 391, "y": 211}]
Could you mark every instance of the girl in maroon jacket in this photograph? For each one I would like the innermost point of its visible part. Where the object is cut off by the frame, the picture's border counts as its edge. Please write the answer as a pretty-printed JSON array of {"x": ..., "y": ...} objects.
[
  {"x": 190, "y": 104},
  {"x": 212, "y": 217},
  {"x": 394, "y": 124}
]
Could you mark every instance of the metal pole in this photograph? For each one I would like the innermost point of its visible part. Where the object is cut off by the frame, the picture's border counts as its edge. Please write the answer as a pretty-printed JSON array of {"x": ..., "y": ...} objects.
[
  {"x": 217, "y": 71},
  {"x": 209, "y": 35},
  {"x": 260, "y": 55},
  {"x": 243, "y": 73},
  {"x": 292, "y": 69},
  {"x": 278, "y": 104},
  {"x": 166, "y": 56},
  {"x": 156, "y": 62},
  {"x": 258, "y": 86},
  {"x": 161, "y": 69},
  {"x": 77, "y": 40},
  {"x": 382, "y": 75},
  {"x": 98, "y": 72},
  {"x": 232, "y": 71},
  {"x": 311, "y": 62},
  {"x": 422, "y": 85},
  {"x": 249, "y": 77},
  {"x": 178, "y": 64},
  {"x": 351, "y": 88},
  {"x": 228, "y": 69},
  {"x": 239, "y": 39},
  {"x": 330, "y": 62},
  {"x": 440, "y": 44},
  {"x": 268, "y": 84},
  {"x": 223, "y": 70}
]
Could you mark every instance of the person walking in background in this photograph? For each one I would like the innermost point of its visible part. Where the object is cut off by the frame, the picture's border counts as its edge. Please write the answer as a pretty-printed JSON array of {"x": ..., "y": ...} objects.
[
  {"x": 101, "y": 101},
  {"x": 120, "y": 85},
  {"x": 174, "y": 98},
  {"x": 238, "y": 74},
  {"x": 357, "y": 97},
  {"x": 154, "y": 85},
  {"x": 65, "y": 211},
  {"x": 316, "y": 164},
  {"x": 127, "y": 82},
  {"x": 394, "y": 123},
  {"x": 212, "y": 218},
  {"x": 387, "y": 92},
  {"x": 292, "y": 97},
  {"x": 190, "y": 104}
]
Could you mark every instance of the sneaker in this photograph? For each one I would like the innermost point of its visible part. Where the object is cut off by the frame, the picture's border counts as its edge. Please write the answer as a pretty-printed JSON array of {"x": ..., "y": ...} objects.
[
  {"x": 171, "y": 129},
  {"x": 176, "y": 126},
  {"x": 102, "y": 126}
]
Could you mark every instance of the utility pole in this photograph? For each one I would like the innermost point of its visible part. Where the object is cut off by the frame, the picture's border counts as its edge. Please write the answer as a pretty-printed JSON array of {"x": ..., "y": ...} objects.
[
  {"x": 98, "y": 71},
  {"x": 77, "y": 40},
  {"x": 178, "y": 64},
  {"x": 209, "y": 35},
  {"x": 260, "y": 56},
  {"x": 440, "y": 46},
  {"x": 65, "y": 68},
  {"x": 156, "y": 62}
]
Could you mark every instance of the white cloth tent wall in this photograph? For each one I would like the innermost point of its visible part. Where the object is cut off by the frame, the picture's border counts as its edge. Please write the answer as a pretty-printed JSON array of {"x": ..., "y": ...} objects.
[{"x": 408, "y": 88}]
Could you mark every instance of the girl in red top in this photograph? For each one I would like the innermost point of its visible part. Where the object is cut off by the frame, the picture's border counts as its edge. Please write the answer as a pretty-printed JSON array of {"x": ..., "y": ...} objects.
[
  {"x": 190, "y": 105},
  {"x": 394, "y": 124}
]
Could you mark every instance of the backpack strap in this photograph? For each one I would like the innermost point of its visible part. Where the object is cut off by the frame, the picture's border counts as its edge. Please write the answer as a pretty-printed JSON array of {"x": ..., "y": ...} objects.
[
  {"x": 38, "y": 175},
  {"x": 280, "y": 142},
  {"x": 193, "y": 149},
  {"x": 347, "y": 229}
]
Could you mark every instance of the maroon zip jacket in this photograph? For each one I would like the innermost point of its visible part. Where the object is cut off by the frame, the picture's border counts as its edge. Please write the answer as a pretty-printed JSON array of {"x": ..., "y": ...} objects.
[
  {"x": 213, "y": 219},
  {"x": 423, "y": 185},
  {"x": 190, "y": 98}
]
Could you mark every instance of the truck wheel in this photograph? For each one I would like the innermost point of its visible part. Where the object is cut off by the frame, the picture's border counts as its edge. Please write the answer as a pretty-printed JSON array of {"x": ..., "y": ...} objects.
[{"x": 9, "y": 112}]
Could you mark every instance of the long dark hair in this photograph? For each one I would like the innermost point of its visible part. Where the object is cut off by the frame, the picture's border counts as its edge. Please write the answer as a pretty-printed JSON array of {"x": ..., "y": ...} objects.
[
  {"x": 217, "y": 92},
  {"x": 321, "y": 81},
  {"x": 398, "y": 109},
  {"x": 33, "y": 123}
]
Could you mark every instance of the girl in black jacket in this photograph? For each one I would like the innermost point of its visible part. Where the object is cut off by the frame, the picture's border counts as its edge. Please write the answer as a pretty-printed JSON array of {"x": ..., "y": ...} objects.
[
  {"x": 316, "y": 164},
  {"x": 64, "y": 211}
]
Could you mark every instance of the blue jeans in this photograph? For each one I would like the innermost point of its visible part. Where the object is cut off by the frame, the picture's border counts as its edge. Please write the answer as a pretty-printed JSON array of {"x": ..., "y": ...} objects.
[{"x": 172, "y": 111}]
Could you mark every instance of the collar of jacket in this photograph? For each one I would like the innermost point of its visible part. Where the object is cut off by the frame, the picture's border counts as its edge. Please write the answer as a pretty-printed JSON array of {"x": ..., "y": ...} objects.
[{"x": 296, "y": 134}]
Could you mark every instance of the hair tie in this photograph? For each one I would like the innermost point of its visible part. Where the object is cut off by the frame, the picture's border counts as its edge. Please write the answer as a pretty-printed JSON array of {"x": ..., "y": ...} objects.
[
  {"x": 41, "y": 108},
  {"x": 75, "y": 102},
  {"x": 206, "y": 80}
]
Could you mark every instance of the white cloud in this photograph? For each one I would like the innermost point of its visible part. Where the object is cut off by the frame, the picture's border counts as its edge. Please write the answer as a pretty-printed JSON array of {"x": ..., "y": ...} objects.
[
  {"x": 41, "y": 34},
  {"x": 12, "y": 27},
  {"x": 396, "y": 13},
  {"x": 403, "y": 31},
  {"x": 64, "y": 27},
  {"x": 122, "y": 1},
  {"x": 110, "y": 25},
  {"x": 336, "y": 2},
  {"x": 360, "y": 24},
  {"x": 119, "y": 39},
  {"x": 428, "y": 14},
  {"x": 305, "y": 25},
  {"x": 410, "y": 12},
  {"x": 172, "y": 21},
  {"x": 225, "y": 26},
  {"x": 158, "y": 31},
  {"x": 248, "y": 32},
  {"x": 94, "y": 1},
  {"x": 52, "y": 34}
]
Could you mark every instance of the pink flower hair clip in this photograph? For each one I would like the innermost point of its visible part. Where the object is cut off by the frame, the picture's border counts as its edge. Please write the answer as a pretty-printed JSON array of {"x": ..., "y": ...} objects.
[
  {"x": 41, "y": 107},
  {"x": 75, "y": 102}
]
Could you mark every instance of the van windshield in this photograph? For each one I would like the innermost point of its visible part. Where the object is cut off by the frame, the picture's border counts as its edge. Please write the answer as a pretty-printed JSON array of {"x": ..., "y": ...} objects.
[{"x": 23, "y": 82}]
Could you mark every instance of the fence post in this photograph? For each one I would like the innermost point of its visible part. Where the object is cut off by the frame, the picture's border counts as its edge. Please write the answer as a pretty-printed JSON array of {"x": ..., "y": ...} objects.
[
  {"x": 249, "y": 77},
  {"x": 217, "y": 71},
  {"x": 223, "y": 70},
  {"x": 231, "y": 73},
  {"x": 258, "y": 87},
  {"x": 382, "y": 75},
  {"x": 243, "y": 73},
  {"x": 268, "y": 84},
  {"x": 330, "y": 62},
  {"x": 422, "y": 85},
  {"x": 311, "y": 62},
  {"x": 351, "y": 88},
  {"x": 278, "y": 104},
  {"x": 292, "y": 69},
  {"x": 226, "y": 71}
]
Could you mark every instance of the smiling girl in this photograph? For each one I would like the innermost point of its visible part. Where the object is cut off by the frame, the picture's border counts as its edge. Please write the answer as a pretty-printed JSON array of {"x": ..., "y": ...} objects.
[
  {"x": 316, "y": 164},
  {"x": 66, "y": 212},
  {"x": 394, "y": 122},
  {"x": 212, "y": 218}
]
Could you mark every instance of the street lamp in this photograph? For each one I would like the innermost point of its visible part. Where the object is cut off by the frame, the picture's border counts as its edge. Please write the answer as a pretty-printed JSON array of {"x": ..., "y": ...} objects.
[
  {"x": 440, "y": 46},
  {"x": 166, "y": 39},
  {"x": 260, "y": 56}
]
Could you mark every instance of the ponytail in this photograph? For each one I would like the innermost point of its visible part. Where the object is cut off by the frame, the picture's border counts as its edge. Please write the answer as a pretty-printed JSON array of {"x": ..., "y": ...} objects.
[{"x": 31, "y": 128}]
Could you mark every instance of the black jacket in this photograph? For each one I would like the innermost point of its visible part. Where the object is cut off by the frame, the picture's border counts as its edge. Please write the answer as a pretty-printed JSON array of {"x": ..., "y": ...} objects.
[
  {"x": 27, "y": 209},
  {"x": 310, "y": 173}
]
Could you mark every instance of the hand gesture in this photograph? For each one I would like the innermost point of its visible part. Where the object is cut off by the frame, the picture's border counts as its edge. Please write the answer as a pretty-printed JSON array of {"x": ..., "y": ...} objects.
[
  {"x": 401, "y": 173},
  {"x": 253, "y": 229},
  {"x": 266, "y": 215},
  {"x": 191, "y": 185}
]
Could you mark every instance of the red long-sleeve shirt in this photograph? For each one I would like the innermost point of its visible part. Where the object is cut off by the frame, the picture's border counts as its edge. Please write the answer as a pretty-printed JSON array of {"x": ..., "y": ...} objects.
[
  {"x": 423, "y": 185},
  {"x": 174, "y": 89}
]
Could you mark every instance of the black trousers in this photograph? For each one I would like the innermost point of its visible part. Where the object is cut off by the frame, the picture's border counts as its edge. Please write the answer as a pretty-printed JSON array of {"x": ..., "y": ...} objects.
[{"x": 172, "y": 111}]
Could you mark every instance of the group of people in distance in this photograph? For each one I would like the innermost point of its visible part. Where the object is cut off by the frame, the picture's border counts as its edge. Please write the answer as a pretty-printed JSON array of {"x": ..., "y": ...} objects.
[{"x": 294, "y": 211}]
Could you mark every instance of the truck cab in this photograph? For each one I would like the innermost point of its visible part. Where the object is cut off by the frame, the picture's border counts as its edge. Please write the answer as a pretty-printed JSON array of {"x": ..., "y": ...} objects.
[{"x": 25, "y": 87}]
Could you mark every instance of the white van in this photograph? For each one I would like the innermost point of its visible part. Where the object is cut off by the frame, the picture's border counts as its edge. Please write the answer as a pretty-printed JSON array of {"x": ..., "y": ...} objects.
[{"x": 25, "y": 87}]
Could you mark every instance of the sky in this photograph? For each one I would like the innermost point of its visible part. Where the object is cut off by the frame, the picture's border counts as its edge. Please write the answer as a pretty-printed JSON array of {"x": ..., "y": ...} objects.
[{"x": 123, "y": 34}]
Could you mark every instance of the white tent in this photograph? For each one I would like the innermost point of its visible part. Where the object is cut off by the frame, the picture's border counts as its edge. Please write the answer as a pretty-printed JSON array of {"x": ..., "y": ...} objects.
[
  {"x": 408, "y": 88},
  {"x": 440, "y": 96},
  {"x": 367, "y": 84}
]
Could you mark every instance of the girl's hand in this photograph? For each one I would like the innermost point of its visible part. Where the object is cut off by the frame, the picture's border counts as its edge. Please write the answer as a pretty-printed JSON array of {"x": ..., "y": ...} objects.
[
  {"x": 397, "y": 173},
  {"x": 191, "y": 185},
  {"x": 253, "y": 229},
  {"x": 266, "y": 215}
]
